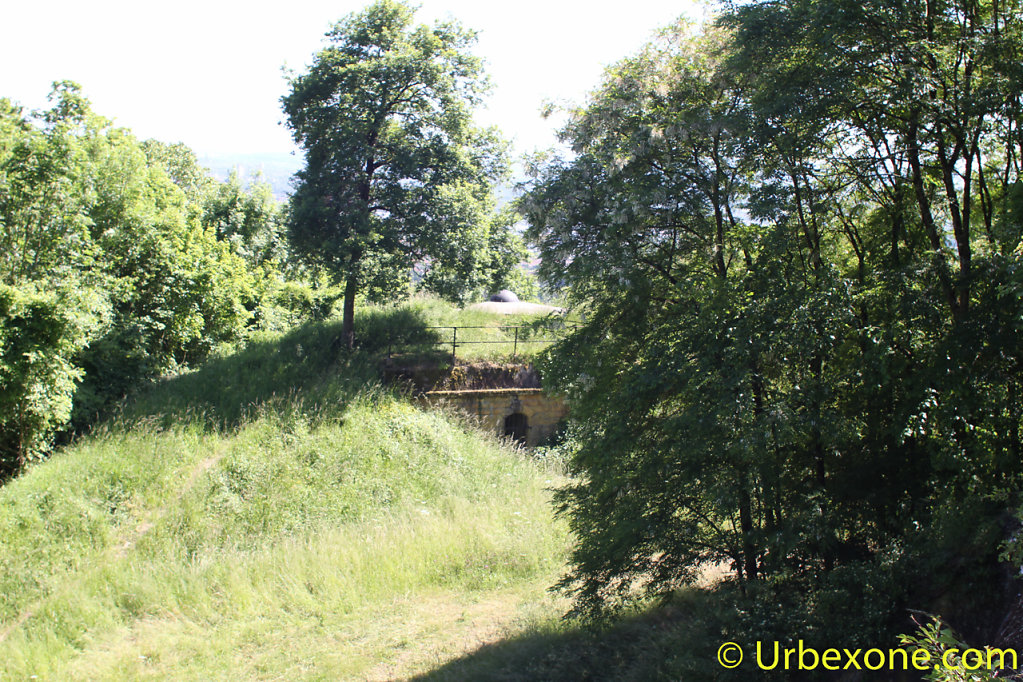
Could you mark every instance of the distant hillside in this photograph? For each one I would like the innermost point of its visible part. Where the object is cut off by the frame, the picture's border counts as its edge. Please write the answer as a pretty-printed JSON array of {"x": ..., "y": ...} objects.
[{"x": 276, "y": 168}]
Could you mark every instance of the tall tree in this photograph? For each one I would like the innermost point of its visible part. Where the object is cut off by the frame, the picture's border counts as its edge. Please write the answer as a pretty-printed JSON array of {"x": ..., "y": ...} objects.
[
  {"x": 641, "y": 225},
  {"x": 108, "y": 274},
  {"x": 392, "y": 156},
  {"x": 797, "y": 239}
]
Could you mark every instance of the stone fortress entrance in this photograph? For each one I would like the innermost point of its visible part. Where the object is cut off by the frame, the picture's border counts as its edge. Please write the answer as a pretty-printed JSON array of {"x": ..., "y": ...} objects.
[
  {"x": 527, "y": 415},
  {"x": 505, "y": 398},
  {"x": 516, "y": 427}
]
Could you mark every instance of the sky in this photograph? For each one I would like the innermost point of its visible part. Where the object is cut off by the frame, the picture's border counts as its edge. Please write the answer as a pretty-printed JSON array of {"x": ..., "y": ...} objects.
[{"x": 209, "y": 73}]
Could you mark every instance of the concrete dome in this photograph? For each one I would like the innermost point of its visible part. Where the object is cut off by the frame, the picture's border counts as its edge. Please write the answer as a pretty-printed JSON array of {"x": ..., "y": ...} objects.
[{"x": 504, "y": 296}]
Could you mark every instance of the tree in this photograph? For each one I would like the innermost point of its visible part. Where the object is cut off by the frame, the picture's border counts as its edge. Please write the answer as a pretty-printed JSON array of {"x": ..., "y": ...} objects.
[
  {"x": 110, "y": 229},
  {"x": 797, "y": 241},
  {"x": 488, "y": 263},
  {"x": 641, "y": 226},
  {"x": 43, "y": 199},
  {"x": 175, "y": 290},
  {"x": 41, "y": 332},
  {"x": 249, "y": 219},
  {"x": 394, "y": 166}
]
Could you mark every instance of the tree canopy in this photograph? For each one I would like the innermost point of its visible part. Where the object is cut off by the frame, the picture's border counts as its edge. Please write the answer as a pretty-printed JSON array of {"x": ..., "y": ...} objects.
[
  {"x": 396, "y": 173},
  {"x": 120, "y": 260},
  {"x": 797, "y": 239}
]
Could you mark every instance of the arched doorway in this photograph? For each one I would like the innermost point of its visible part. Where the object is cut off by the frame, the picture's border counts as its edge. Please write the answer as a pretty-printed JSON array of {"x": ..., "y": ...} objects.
[{"x": 516, "y": 426}]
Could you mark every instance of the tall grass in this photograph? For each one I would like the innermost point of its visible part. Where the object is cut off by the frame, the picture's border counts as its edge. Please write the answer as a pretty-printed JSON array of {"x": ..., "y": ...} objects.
[
  {"x": 249, "y": 519},
  {"x": 481, "y": 335},
  {"x": 307, "y": 370}
]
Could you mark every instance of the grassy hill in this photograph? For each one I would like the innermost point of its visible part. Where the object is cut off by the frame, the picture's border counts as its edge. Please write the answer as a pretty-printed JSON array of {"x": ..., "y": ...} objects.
[
  {"x": 274, "y": 514},
  {"x": 278, "y": 514}
]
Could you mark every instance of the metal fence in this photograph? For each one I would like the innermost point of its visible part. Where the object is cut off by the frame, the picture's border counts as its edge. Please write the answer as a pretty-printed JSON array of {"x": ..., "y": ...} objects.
[{"x": 520, "y": 335}]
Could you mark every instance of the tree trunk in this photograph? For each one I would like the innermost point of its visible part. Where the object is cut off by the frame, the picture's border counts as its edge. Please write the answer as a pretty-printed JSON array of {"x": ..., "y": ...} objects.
[
  {"x": 348, "y": 318},
  {"x": 927, "y": 218},
  {"x": 749, "y": 549}
]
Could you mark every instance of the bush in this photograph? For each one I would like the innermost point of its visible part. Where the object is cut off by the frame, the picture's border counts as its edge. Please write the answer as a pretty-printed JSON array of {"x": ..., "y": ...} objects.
[{"x": 40, "y": 334}]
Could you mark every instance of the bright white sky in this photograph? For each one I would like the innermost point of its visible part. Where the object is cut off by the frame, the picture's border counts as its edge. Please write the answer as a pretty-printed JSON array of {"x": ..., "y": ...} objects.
[{"x": 208, "y": 72}]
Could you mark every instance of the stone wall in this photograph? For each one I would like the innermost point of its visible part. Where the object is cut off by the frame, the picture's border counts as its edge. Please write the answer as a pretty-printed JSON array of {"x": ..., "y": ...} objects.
[{"x": 492, "y": 407}]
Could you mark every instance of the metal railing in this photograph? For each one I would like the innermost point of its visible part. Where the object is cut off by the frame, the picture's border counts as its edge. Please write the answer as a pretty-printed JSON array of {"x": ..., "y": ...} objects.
[{"x": 521, "y": 335}]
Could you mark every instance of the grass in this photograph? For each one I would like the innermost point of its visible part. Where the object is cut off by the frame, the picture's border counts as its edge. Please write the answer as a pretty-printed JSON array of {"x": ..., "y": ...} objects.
[
  {"x": 258, "y": 517},
  {"x": 210, "y": 540},
  {"x": 276, "y": 514},
  {"x": 678, "y": 641},
  {"x": 481, "y": 335}
]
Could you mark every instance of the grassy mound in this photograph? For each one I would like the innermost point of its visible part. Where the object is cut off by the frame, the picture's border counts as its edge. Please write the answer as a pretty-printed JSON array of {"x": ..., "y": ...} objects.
[
  {"x": 481, "y": 334},
  {"x": 267, "y": 516}
]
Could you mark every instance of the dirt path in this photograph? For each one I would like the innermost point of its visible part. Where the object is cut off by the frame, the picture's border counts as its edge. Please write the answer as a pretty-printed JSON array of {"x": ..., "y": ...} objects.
[
  {"x": 128, "y": 540},
  {"x": 119, "y": 548},
  {"x": 430, "y": 631}
]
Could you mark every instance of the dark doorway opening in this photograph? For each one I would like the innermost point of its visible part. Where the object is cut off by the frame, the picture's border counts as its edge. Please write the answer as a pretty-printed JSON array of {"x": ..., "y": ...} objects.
[{"x": 516, "y": 426}]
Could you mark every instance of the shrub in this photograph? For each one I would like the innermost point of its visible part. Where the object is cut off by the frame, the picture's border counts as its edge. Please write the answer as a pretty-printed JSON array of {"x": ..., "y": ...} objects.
[{"x": 40, "y": 333}]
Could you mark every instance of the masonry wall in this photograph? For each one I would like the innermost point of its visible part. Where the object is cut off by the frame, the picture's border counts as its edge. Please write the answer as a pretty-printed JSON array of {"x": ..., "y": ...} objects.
[{"x": 491, "y": 407}]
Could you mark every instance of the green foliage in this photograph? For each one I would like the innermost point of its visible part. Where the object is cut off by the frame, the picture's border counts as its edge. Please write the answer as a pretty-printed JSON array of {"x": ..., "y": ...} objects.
[
  {"x": 44, "y": 229},
  {"x": 942, "y": 644},
  {"x": 175, "y": 290},
  {"x": 182, "y": 167},
  {"x": 482, "y": 262},
  {"x": 802, "y": 337},
  {"x": 527, "y": 287},
  {"x": 250, "y": 220},
  {"x": 40, "y": 335},
  {"x": 396, "y": 174},
  {"x": 290, "y": 303},
  {"x": 175, "y": 261}
]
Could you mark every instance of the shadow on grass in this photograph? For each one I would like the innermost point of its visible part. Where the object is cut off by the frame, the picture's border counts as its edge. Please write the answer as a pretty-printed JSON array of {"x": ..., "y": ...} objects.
[
  {"x": 306, "y": 369},
  {"x": 675, "y": 642}
]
